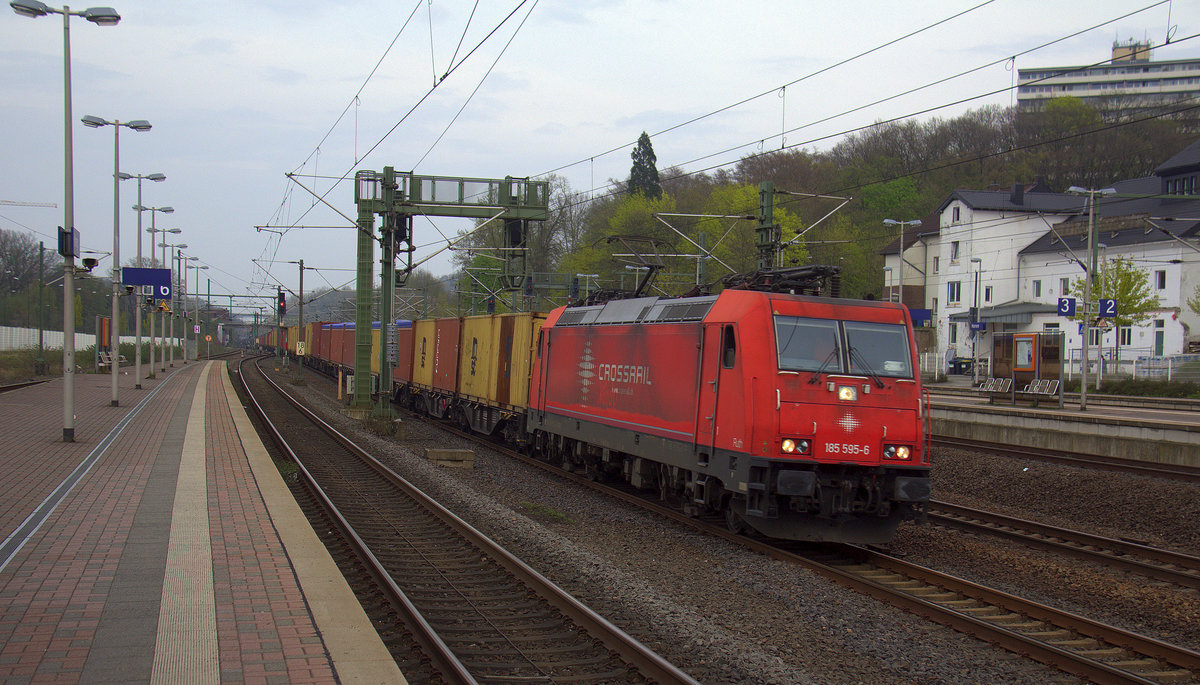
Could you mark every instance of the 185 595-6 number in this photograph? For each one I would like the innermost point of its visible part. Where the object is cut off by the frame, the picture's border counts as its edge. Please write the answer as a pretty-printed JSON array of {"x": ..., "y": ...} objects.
[{"x": 847, "y": 449}]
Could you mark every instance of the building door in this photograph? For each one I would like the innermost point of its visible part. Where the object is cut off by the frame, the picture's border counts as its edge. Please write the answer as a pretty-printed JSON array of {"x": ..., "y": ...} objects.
[{"x": 1160, "y": 334}]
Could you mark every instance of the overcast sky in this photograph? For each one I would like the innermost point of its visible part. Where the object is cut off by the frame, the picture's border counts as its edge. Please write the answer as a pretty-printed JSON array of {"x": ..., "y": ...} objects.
[{"x": 242, "y": 93}]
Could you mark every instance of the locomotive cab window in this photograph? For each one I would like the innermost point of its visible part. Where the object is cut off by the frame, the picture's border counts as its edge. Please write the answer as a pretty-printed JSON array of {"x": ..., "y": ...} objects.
[
  {"x": 808, "y": 344},
  {"x": 879, "y": 349},
  {"x": 728, "y": 348}
]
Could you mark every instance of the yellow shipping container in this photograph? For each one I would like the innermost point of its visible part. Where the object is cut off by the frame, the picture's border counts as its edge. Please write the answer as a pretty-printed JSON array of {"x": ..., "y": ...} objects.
[
  {"x": 424, "y": 335},
  {"x": 496, "y": 358},
  {"x": 293, "y": 334},
  {"x": 477, "y": 358}
]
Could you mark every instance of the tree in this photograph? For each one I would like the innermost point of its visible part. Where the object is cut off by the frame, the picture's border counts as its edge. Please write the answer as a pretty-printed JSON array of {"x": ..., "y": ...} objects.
[
  {"x": 1118, "y": 279},
  {"x": 643, "y": 175},
  {"x": 1194, "y": 301}
]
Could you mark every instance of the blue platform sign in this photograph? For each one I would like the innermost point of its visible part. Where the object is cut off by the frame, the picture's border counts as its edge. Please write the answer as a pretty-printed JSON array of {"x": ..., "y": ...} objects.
[
  {"x": 1108, "y": 309},
  {"x": 154, "y": 283},
  {"x": 1066, "y": 306}
]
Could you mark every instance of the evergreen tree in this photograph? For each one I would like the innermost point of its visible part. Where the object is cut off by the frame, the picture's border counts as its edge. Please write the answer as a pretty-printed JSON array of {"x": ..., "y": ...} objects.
[{"x": 643, "y": 175}]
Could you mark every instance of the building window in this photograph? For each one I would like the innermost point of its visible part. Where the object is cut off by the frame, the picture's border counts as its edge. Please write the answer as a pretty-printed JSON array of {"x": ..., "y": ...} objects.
[
  {"x": 1037, "y": 288},
  {"x": 953, "y": 333},
  {"x": 954, "y": 214},
  {"x": 987, "y": 293},
  {"x": 1160, "y": 279},
  {"x": 1125, "y": 336},
  {"x": 936, "y": 262},
  {"x": 1094, "y": 336},
  {"x": 954, "y": 251},
  {"x": 933, "y": 312},
  {"x": 954, "y": 294}
]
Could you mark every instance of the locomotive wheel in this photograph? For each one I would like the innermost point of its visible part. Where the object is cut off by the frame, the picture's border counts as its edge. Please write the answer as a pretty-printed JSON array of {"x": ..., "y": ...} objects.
[{"x": 733, "y": 520}]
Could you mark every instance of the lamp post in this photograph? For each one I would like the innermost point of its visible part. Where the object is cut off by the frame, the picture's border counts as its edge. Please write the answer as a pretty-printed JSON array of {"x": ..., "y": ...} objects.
[
  {"x": 153, "y": 230},
  {"x": 1087, "y": 284},
  {"x": 900, "y": 270},
  {"x": 103, "y": 16},
  {"x": 198, "y": 269},
  {"x": 175, "y": 247},
  {"x": 154, "y": 211},
  {"x": 137, "y": 300},
  {"x": 887, "y": 281},
  {"x": 188, "y": 323},
  {"x": 140, "y": 125},
  {"x": 162, "y": 315},
  {"x": 975, "y": 320}
]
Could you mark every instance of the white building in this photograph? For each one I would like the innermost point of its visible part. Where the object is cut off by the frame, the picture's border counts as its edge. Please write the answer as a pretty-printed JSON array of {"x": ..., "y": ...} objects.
[
  {"x": 1128, "y": 83},
  {"x": 1014, "y": 253}
]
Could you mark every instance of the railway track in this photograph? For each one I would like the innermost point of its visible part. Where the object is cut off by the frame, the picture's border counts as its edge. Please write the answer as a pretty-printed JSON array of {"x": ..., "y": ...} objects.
[
  {"x": 1069, "y": 642},
  {"x": 1179, "y": 472},
  {"x": 18, "y": 386},
  {"x": 480, "y": 614},
  {"x": 1160, "y": 564}
]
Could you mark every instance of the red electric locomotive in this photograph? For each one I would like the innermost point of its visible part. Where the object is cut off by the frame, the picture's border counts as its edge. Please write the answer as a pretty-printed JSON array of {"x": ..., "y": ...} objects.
[{"x": 800, "y": 417}]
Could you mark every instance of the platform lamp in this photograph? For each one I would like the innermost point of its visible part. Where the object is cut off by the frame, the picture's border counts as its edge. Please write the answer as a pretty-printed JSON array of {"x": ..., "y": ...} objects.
[
  {"x": 157, "y": 178},
  {"x": 900, "y": 270},
  {"x": 175, "y": 248},
  {"x": 154, "y": 211},
  {"x": 975, "y": 320},
  {"x": 103, "y": 16},
  {"x": 1090, "y": 269},
  {"x": 140, "y": 125},
  {"x": 161, "y": 318},
  {"x": 198, "y": 269},
  {"x": 183, "y": 267}
]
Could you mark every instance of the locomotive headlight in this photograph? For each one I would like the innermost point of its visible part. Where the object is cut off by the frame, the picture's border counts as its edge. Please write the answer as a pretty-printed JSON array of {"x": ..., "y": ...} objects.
[
  {"x": 847, "y": 393},
  {"x": 897, "y": 452},
  {"x": 794, "y": 446}
]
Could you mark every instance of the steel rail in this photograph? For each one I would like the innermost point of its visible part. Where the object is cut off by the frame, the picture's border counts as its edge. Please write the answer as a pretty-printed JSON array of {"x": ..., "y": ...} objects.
[
  {"x": 1180, "y": 472},
  {"x": 442, "y": 659},
  {"x": 649, "y": 663},
  {"x": 1071, "y": 643},
  {"x": 18, "y": 386},
  {"x": 1161, "y": 564}
]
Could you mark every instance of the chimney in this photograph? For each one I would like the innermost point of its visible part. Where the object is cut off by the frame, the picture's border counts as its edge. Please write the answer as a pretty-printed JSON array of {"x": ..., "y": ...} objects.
[{"x": 1018, "y": 194}]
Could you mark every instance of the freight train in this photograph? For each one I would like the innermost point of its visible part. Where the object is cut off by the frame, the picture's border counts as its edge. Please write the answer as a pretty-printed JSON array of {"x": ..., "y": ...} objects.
[{"x": 798, "y": 417}]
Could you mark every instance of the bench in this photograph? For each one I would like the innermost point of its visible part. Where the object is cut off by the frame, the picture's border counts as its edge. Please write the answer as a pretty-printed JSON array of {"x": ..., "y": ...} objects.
[
  {"x": 1039, "y": 388},
  {"x": 106, "y": 359},
  {"x": 995, "y": 387}
]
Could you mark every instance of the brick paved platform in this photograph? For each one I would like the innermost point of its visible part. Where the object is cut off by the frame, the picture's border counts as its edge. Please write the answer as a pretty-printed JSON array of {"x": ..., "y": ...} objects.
[{"x": 162, "y": 546}]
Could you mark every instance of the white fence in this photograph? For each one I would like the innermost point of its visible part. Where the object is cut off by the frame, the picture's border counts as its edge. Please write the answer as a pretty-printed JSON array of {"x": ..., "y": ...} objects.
[
  {"x": 1175, "y": 367},
  {"x": 27, "y": 339}
]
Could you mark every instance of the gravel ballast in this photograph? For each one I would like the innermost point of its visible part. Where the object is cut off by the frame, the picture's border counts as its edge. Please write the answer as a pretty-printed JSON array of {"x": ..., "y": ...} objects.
[{"x": 727, "y": 615}]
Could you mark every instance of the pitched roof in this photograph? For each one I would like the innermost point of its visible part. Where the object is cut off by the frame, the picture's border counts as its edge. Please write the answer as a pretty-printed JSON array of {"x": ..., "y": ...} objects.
[
  {"x": 1187, "y": 158},
  {"x": 1008, "y": 201}
]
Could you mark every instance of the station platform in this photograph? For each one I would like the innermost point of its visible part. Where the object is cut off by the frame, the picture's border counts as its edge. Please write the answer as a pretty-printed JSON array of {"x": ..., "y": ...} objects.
[
  {"x": 162, "y": 546},
  {"x": 1111, "y": 426}
]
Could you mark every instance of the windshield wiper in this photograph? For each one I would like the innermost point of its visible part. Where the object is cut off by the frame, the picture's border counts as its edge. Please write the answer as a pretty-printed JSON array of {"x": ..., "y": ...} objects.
[
  {"x": 866, "y": 367},
  {"x": 816, "y": 377}
]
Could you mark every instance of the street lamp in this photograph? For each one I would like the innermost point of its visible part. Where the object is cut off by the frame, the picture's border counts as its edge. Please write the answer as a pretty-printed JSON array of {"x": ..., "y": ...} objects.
[
  {"x": 975, "y": 320},
  {"x": 900, "y": 271},
  {"x": 175, "y": 247},
  {"x": 140, "y": 125},
  {"x": 1087, "y": 284},
  {"x": 183, "y": 261},
  {"x": 157, "y": 178},
  {"x": 198, "y": 269},
  {"x": 154, "y": 212},
  {"x": 103, "y": 16},
  {"x": 162, "y": 316}
]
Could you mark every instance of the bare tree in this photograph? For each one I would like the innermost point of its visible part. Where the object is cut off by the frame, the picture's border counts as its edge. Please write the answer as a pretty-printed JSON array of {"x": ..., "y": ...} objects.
[{"x": 19, "y": 260}]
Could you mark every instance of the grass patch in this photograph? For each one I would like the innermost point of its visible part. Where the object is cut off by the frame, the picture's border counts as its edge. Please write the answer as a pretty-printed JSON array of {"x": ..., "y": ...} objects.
[
  {"x": 544, "y": 513},
  {"x": 287, "y": 469}
]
